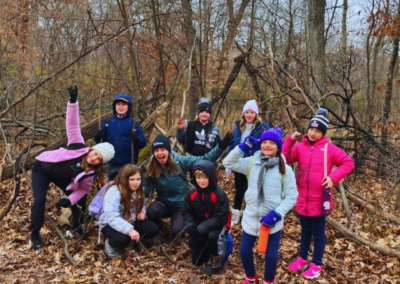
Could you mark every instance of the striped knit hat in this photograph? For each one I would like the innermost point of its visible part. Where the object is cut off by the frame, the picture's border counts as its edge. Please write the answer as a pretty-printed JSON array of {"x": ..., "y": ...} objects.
[{"x": 320, "y": 121}]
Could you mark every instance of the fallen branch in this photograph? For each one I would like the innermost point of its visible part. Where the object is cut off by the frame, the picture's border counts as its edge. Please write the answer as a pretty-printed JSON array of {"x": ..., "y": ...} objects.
[
  {"x": 17, "y": 184},
  {"x": 359, "y": 240},
  {"x": 370, "y": 207},
  {"x": 174, "y": 261},
  {"x": 66, "y": 244}
]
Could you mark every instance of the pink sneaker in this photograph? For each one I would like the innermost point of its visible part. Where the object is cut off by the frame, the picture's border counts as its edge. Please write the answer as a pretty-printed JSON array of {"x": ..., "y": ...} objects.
[
  {"x": 299, "y": 264},
  {"x": 313, "y": 272},
  {"x": 251, "y": 281}
]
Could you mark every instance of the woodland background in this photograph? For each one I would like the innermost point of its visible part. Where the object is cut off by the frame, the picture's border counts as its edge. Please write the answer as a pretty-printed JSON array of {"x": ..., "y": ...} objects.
[{"x": 291, "y": 56}]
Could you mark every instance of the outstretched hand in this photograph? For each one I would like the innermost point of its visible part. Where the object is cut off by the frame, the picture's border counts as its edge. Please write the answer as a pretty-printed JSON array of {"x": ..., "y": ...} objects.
[
  {"x": 181, "y": 123},
  {"x": 248, "y": 143},
  {"x": 73, "y": 94},
  {"x": 226, "y": 141}
]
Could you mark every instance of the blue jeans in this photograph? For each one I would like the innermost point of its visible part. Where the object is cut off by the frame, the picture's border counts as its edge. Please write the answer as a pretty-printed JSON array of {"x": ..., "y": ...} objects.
[
  {"x": 313, "y": 227},
  {"x": 271, "y": 256}
]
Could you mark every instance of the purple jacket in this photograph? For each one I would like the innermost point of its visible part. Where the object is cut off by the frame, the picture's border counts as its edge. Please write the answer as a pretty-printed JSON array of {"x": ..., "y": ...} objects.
[
  {"x": 74, "y": 135},
  {"x": 310, "y": 173}
]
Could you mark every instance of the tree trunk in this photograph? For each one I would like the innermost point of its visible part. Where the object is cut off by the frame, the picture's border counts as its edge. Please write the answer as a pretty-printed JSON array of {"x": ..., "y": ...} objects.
[
  {"x": 159, "y": 46},
  {"x": 234, "y": 21},
  {"x": 389, "y": 81},
  {"x": 316, "y": 46},
  {"x": 344, "y": 27},
  {"x": 136, "y": 89},
  {"x": 190, "y": 34}
]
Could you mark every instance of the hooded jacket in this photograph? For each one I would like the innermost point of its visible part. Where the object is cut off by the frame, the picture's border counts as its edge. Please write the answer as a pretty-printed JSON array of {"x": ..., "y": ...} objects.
[
  {"x": 171, "y": 187},
  {"x": 68, "y": 156},
  {"x": 202, "y": 211},
  {"x": 119, "y": 132},
  {"x": 272, "y": 186},
  {"x": 256, "y": 133},
  {"x": 310, "y": 173}
]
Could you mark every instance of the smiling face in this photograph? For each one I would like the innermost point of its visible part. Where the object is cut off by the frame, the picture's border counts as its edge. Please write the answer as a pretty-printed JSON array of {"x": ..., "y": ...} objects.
[
  {"x": 202, "y": 181},
  {"x": 161, "y": 154},
  {"x": 314, "y": 134},
  {"x": 94, "y": 157},
  {"x": 135, "y": 181},
  {"x": 121, "y": 107},
  {"x": 204, "y": 116},
  {"x": 249, "y": 116},
  {"x": 269, "y": 148}
]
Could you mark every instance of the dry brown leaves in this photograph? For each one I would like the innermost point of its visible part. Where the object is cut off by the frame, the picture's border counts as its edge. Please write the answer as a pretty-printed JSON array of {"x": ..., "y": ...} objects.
[{"x": 344, "y": 261}]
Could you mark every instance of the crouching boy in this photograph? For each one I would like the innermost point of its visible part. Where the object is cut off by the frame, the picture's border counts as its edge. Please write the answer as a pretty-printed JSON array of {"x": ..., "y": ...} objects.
[{"x": 206, "y": 212}]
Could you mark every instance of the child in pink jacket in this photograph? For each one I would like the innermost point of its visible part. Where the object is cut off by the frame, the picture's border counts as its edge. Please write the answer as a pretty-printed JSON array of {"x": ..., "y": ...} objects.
[
  {"x": 71, "y": 168},
  {"x": 309, "y": 154}
]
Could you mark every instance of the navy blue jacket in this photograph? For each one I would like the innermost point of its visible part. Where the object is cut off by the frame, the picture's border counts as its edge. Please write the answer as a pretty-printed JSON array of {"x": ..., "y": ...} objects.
[
  {"x": 256, "y": 133},
  {"x": 119, "y": 132}
]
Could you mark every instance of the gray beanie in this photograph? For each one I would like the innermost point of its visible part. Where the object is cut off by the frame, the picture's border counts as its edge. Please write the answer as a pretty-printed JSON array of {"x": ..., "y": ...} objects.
[{"x": 106, "y": 150}]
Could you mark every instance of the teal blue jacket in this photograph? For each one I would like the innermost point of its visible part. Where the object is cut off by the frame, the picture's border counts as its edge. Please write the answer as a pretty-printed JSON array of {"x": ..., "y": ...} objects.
[{"x": 171, "y": 188}]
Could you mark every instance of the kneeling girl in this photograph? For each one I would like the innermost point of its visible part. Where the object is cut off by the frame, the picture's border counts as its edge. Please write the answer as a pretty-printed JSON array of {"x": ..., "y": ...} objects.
[{"x": 124, "y": 213}]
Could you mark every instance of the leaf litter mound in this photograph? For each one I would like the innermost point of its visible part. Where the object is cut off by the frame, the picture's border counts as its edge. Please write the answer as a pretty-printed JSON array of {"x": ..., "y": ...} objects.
[{"x": 344, "y": 261}]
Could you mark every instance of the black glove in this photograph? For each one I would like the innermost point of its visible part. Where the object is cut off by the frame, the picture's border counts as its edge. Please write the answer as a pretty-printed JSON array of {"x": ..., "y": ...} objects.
[
  {"x": 226, "y": 141},
  {"x": 192, "y": 230},
  {"x": 64, "y": 202},
  {"x": 98, "y": 136},
  {"x": 73, "y": 93},
  {"x": 134, "y": 137}
]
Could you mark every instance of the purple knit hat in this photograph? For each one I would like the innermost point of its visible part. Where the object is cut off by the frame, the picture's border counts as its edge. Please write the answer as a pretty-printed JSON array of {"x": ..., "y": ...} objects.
[{"x": 273, "y": 134}]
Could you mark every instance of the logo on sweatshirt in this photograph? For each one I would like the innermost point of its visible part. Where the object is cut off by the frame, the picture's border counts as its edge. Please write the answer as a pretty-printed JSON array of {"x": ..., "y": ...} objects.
[{"x": 201, "y": 135}]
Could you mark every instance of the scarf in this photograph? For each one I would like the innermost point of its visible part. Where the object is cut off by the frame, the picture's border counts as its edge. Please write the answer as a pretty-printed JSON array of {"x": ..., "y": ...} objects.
[{"x": 266, "y": 163}]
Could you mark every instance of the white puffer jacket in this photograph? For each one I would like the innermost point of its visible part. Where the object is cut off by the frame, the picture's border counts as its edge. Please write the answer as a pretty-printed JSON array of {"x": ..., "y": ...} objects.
[{"x": 272, "y": 186}]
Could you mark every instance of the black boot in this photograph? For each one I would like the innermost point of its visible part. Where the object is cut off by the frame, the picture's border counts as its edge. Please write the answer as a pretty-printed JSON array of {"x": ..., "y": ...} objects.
[{"x": 35, "y": 241}]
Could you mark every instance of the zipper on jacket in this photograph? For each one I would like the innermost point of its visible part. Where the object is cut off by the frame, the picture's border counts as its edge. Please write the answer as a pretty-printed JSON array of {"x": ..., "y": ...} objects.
[{"x": 308, "y": 177}]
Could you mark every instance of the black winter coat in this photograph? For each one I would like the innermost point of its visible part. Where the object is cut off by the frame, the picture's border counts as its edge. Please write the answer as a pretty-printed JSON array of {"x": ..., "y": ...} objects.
[{"x": 202, "y": 211}]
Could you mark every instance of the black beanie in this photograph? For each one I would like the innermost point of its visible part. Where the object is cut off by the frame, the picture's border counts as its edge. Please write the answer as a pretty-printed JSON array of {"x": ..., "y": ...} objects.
[
  {"x": 161, "y": 141},
  {"x": 204, "y": 105},
  {"x": 320, "y": 120}
]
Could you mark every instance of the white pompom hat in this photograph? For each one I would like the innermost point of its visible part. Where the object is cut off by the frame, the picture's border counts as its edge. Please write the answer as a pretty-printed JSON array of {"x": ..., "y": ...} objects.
[
  {"x": 251, "y": 105},
  {"x": 106, "y": 150}
]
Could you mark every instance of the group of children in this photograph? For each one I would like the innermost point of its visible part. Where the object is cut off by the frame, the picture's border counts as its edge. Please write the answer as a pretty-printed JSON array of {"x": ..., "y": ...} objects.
[{"x": 257, "y": 155}]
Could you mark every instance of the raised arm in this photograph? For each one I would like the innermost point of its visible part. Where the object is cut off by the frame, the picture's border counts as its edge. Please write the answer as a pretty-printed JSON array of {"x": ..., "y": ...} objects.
[{"x": 72, "y": 118}]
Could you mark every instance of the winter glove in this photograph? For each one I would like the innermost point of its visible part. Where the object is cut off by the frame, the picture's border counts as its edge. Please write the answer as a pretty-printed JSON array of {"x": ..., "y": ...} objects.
[
  {"x": 226, "y": 141},
  {"x": 192, "y": 230},
  {"x": 98, "y": 136},
  {"x": 64, "y": 202},
  {"x": 228, "y": 173},
  {"x": 73, "y": 94},
  {"x": 271, "y": 219},
  {"x": 248, "y": 143},
  {"x": 134, "y": 137}
]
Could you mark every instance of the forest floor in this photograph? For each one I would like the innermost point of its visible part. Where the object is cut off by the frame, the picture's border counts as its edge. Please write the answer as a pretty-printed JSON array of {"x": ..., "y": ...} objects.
[{"x": 344, "y": 260}]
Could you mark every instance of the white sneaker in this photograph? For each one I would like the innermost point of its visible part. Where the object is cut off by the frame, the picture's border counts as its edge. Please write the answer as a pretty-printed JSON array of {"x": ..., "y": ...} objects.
[
  {"x": 109, "y": 250},
  {"x": 236, "y": 213}
]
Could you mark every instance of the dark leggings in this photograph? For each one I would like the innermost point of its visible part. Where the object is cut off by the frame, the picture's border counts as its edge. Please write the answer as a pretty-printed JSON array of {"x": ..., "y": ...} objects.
[
  {"x": 146, "y": 229},
  {"x": 313, "y": 227},
  {"x": 205, "y": 246},
  {"x": 157, "y": 211},
  {"x": 40, "y": 186},
  {"x": 240, "y": 189}
]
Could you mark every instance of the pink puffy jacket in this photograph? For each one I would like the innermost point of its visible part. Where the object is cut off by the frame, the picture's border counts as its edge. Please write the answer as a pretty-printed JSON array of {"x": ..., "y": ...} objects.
[{"x": 310, "y": 173}]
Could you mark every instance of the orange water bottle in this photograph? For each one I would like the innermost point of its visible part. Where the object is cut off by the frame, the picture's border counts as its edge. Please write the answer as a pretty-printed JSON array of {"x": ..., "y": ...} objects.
[{"x": 263, "y": 238}]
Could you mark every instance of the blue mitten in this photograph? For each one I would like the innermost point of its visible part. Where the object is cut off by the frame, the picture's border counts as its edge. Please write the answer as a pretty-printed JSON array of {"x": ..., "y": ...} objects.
[
  {"x": 271, "y": 219},
  {"x": 248, "y": 143}
]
